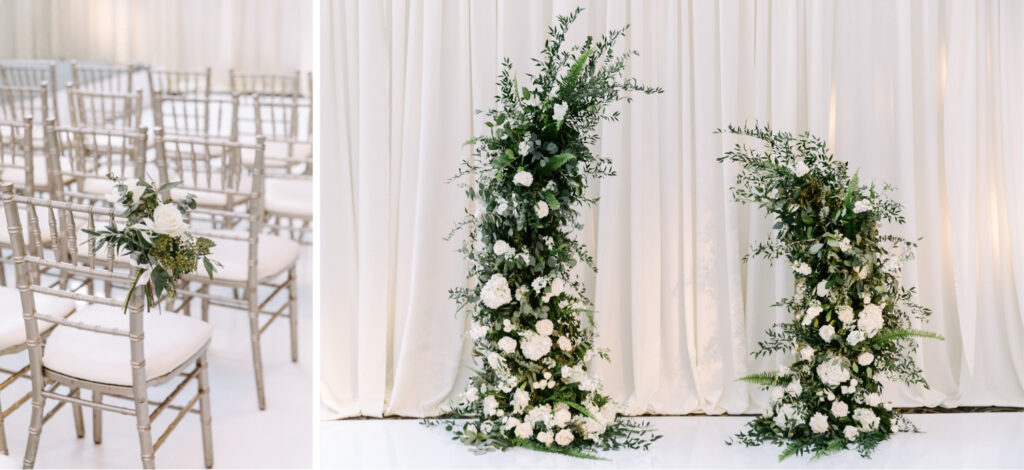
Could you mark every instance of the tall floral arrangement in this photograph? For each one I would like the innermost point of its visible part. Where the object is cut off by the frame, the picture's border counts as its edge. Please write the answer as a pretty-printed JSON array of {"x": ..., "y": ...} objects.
[
  {"x": 852, "y": 316},
  {"x": 531, "y": 325}
]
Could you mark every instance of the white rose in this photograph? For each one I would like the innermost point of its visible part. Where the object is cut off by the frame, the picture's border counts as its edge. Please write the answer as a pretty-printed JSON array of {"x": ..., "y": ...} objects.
[
  {"x": 167, "y": 220},
  {"x": 545, "y": 327},
  {"x": 496, "y": 292},
  {"x": 541, "y": 209},
  {"x": 490, "y": 405},
  {"x": 477, "y": 331},
  {"x": 535, "y": 346},
  {"x": 807, "y": 353},
  {"x": 502, "y": 248},
  {"x": 562, "y": 417},
  {"x": 777, "y": 393},
  {"x": 471, "y": 394},
  {"x": 845, "y": 313},
  {"x": 840, "y": 409},
  {"x": 870, "y": 320},
  {"x": 845, "y": 245},
  {"x": 564, "y": 437},
  {"x": 470, "y": 429},
  {"x": 822, "y": 289},
  {"x": 819, "y": 423},
  {"x": 524, "y": 430},
  {"x": 865, "y": 358},
  {"x": 557, "y": 286},
  {"x": 564, "y": 344},
  {"x": 855, "y": 336},
  {"x": 832, "y": 372},
  {"x": 520, "y": 400},
  {"x": 523, "y": 178},
  {"x": 545, "y": 438},
  {"x": 801, "y": 168},
  {"x": 794, "y": 388},
  {"x": 801, "y": 268},
  {"x": 850, "y": 433},
  {"x": 507, "y": 344},
  {"x": 865, "y": 418},
  {"x": 826, "y": 333},
  {"x": 872, "y": 399}
]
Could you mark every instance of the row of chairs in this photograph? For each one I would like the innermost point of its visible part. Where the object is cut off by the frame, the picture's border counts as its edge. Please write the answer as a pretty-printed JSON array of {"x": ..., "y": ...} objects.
[
  {"x": 86, "y": 351},
  {"x": 181, "y": 102}
]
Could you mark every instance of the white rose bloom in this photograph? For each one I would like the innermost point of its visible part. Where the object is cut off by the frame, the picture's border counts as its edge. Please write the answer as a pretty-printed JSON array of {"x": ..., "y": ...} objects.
[
  {"x": 786, "y": 414},
  {"x": 801, "y": 268},
  {"x": 794, "y": 388},
  {"x": 840, "y": 409},
  {"x": 523, "y": 178},
  {"x": 564, "y": 344},
  {"x": 501, "y": 208},
  {"x": 507, "y": 344},
  {"x": 541, "y": 209},
  {"x": 545, "y": 438},
  {"x": 535, "y": 346},
  {"x": 818, "y": 423},
  {"x": 167, "y": 219},
  {"x": 822, "y": 289},
  {"x": 490, "y": 405},
  {"x": 850, "y": 433},
  {"x": 865, "y": 358},
  {"x": 559, "y": 111},
  {"x": 870, "y": 320},
  {"x": 777, "y": 393},
  {"x": 545, "y": 327},
  {"x": 477, "y": 331},
  {"x": 562, "y": 418},
  {"x": 855, "y": 336},
  {"x": 832, "y": 372},
  {"x": 557, "y": 286},
  {"x": 812, "y": 312},
  {"x": 471, "y": 394},
  {"x": 872, "y": 399},
  {"x": 538, "y": 284},
  {"x": 524, "y": 430},
  {"x": 862, "y": 205},
  {"x": 865, "y": 418},
  {"x": 801, "y": 168},
  {"x": 826, "y": 332},
  {"x": 807, "y": 353},
  {"x": 502, "y": 248},
  {"x": 845, "y": 313},
  {"x": 495, "y": 292},
  {"x": 564, "y": 437},
  {"x": 845, "y": 245},
  {"x": 520, "y": 400}
]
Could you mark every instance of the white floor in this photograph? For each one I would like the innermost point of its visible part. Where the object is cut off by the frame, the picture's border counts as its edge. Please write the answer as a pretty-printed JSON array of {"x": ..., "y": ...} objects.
[
  {"x": 947, "y": 440},
  {"x": 244, "y": 437}
]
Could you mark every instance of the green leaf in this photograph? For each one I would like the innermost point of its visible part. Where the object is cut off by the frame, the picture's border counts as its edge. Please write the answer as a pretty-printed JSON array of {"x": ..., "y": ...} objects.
[
  {"x": 552, "y": 201},
  {"x": 886, "y": 336},
  {"x": 761, "y": 378},
  {"x": 168, "y": 186},
  {"x": 559, "y": 160}
]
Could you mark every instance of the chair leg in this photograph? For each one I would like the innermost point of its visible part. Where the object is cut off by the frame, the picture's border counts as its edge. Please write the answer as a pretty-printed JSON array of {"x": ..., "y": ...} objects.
[
  {"x": 205, "y": 303},
  {"x": 76, "y": 411},
  {"x": 3, "y": 435},
  {"x": 97, "y": 418},
  {"x": 204, "y": 411},
  {"x": 145, "y": 429},
  {"x": 293, "y": 317},
  {"x": 35, "y": 428},
  {"x": 254, "y": 337}
]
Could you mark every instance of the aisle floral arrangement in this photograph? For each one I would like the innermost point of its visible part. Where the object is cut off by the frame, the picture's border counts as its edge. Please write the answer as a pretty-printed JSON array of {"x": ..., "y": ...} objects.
[
  {"x": 532, "y": 326},
  {"x": 157, "y": 236},
  {"x": 852, "y": 317}
]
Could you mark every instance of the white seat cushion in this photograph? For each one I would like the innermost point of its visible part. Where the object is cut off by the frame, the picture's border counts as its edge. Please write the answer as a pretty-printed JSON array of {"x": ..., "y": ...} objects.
[
  {"x": 12, "y": 324},
  {"x": 290, "y": 197},
  {"x": 171, "y": 340},
  {"x": 280, "y": 151},
  {"x": 208, "y": 198},
  {"x": 39, "y": 174},
  {"x": 275, "y": 255}
]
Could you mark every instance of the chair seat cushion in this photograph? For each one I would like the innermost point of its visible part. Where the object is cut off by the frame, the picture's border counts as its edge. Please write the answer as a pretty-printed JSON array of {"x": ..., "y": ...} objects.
[
  {"x": 39, "y": 174},
  {"x": 12, "y": 324},
  {"x": 276, "y": 254},
  {"x": 292, "y": 197},
  {"x": 275, "y": 153},
  {"x": 210, "y": 198},
  {"x": 170, "y": 341}
]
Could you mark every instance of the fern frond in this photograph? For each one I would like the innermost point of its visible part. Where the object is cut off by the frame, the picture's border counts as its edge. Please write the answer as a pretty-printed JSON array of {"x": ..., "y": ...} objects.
[
  {"x": 761, "y": 378},
  {"x": 888, "y": 336}
]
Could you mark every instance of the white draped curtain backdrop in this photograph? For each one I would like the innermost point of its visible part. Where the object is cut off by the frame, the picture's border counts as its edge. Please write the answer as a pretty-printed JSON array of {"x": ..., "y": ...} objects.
[
  {"x": 926, "y": 95},
  {"x": 269, "y": 36}
]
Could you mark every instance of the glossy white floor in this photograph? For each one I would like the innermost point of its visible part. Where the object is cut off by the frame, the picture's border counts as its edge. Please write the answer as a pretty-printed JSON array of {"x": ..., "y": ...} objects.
[
  {"x": 244, "y": 437},
  {"x": 947, "y": 440}
]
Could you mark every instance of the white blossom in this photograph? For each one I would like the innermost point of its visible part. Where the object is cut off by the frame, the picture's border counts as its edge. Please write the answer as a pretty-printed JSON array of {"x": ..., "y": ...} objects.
[
  {"x": 545, "y": 327},
  {"x": 564, "y": 344},
  {"x": 807, "y": 353},
  {"x": 490, "y": 405},
  {"x": 777, "y": 393},
  {"x": 520, "y": 400},
  {"x": 538, "y": 284},
  {"x": 870, "y": 320},
  {"x": 866, "y": 418},
  {"x": 477, "y": 331},
  {"x": 535, "y": 346},
  {"x": 812, "y": 312},
  {"x": 563, "y": 437},
  {"x": 524, "y": 148},
  {"x": 496, "y": 292},
  {"x": 801, "y": 268},
  {"x": 507, "y": 344},
  {"x": 840, "y": 409},
  {"x": 541, "y": 209},
  {"x": 524, "y": 430},
  {"x": 862, "y": 205},
  {"x": 872, "y": 399},
  {"x": 826, "y": 333},
  {"x": 822, "y": 289},
  {"x": 832, "y": 372},
  {"x": 818, "y": 423},
  {"x": 502, "y": 248},
  {"x": 801, "y": 168},
  {"x": 523, "y": 178},
  {"x": 865, "y": 358},
  {"x": 845, "y": 245},
  {"x": 786, "y": 414},
  {"x": 559, "y": 111},
  {"x": 794, "y": 388},
  {"x": 850, "y": 432},
  {"x": 562, "y": 417},
  {"x": 855, "y": 337},
  {"x": 545, "y": 437},
  {"x": 845, "y": 314}
]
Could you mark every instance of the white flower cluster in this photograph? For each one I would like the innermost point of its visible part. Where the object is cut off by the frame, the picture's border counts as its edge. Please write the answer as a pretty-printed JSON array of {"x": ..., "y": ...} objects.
[{"x": 496, "y": 292}]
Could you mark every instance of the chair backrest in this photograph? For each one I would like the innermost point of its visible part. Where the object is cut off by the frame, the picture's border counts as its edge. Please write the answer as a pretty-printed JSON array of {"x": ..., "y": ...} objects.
[
  {"x": 32, "y": 76},
  {"x": 19, "y": 102},
  {"x": 199, "y": 116},
  {"x": 249, "y": 83},
  {"x": 64, "y": 222},
  {"x": 106, "y": 110},
  {"x": 103, "y": 78},
  {"x": 77, "y": 169},
  {"x": 179, "y": 82},
  {"x": 214, "y": 166},
  {"x": 284, "y": 120},
  {"x": 16, "y": 151}
]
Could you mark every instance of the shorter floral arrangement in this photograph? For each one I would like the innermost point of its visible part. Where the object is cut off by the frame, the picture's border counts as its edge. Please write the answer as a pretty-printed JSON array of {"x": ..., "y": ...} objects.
[{"x": 157, "y": 236}]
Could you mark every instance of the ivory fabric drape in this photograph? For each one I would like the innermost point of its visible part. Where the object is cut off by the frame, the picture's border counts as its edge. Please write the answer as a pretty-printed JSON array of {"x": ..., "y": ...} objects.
[
  {"x": 270, "y": 36},
  {"x": 926, "y": 95}
]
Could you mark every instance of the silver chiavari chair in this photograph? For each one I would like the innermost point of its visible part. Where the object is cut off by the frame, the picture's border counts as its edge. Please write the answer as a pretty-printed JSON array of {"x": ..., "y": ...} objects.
[
  {"x": 72, "y": 160},
  {"x": 178, "y": 82},
  {"x": 20, "y": 102},
  {"x": 103, "y": 78},
  {"x": 112, "y": 110},
  {"x": 100, "y": 349},
  {"x": 250, "y": 83},
  {"x": 250, "y": 259},
  {"x": 33, "y": 76},
  {"x": 289, "y": 144},
  {"x": 196, "y": 116}
]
